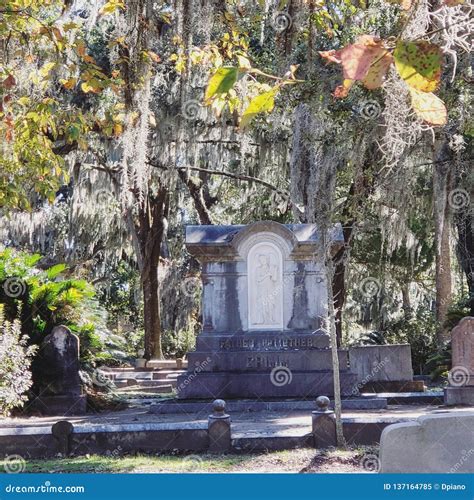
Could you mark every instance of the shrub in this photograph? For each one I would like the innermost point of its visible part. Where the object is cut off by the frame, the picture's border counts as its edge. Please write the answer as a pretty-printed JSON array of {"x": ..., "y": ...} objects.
[
  {"x": 419, "y": 330},
  {"x": 177, "y": 344},
  {"x": 15, "y": 363}
]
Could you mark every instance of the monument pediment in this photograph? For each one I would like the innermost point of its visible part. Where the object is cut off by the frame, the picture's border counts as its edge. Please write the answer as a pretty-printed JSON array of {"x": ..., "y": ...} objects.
[{"x": 207, "y": 242}]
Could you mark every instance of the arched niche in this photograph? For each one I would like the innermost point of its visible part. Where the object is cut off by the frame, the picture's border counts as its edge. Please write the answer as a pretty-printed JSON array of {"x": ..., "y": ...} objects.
[
  {"x": 265, "y": 287},
  {"x": 265, "y": 254}
]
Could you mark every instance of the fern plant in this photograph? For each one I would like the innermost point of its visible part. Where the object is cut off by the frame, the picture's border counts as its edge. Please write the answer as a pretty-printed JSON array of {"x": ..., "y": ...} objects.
[{"x": 44, "y": 298}]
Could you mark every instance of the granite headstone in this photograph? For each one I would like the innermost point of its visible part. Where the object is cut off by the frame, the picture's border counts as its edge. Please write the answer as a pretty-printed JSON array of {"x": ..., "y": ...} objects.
[
  {"x": 58, "y": 386},
  {"x": 461, "y": 376}
]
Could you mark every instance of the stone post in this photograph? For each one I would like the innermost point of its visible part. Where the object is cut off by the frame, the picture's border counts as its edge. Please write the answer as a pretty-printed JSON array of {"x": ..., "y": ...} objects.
[
  {"x": 219, "y": 428},
  {"x": 62, "y": 432},
  {"x": 324, "y": 424}
]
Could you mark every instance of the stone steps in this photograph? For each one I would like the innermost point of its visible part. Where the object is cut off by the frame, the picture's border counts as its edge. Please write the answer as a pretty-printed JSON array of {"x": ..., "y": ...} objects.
[
  {"x": 145, "y": 383},
  {"x": 144, "y": 379},
  {"x": 146, "y": 389},
  {"x": 150, "y": 375},
  {"x": 165, "y": 364}
]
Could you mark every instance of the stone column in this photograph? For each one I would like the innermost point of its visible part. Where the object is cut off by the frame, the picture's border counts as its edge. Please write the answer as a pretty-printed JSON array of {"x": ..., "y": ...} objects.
[
  {"x": 219, "y": 428},
  {"x": 324, "y": 424}
]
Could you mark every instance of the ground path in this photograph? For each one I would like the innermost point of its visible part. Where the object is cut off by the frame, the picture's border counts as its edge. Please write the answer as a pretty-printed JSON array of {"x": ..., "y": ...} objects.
[{"x": 248, "y": 424}]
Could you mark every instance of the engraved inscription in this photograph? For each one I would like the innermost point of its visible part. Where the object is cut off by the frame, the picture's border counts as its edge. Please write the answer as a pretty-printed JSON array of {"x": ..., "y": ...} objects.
[
  {"x": 266, "y": 343},
  {"x": 265, "y": 361}
]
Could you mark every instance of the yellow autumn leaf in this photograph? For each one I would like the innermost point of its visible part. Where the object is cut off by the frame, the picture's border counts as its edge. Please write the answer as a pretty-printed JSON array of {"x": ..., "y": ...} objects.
[
  {"x": 118, "y": 129},
  {"x": 262, "y": 103},
  {"x": 69, "y": 83},
  {"x": 428, "y": 107},
  {"x": 91, "y": 86}
]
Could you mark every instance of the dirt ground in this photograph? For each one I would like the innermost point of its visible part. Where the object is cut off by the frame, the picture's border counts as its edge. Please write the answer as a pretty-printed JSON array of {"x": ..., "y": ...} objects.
[{"x": 360, "y": 460}]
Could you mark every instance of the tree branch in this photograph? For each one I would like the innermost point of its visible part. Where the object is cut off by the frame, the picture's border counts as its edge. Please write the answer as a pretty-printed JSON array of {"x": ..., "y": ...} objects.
[{"x": 223, "y": 173}]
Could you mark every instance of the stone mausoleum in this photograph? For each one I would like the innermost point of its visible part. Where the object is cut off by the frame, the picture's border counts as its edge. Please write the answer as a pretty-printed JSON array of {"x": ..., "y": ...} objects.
[{"x": 264, "y": 310}]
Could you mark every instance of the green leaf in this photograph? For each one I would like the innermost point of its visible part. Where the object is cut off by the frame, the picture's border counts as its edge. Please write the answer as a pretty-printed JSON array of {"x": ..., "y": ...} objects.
[
  {"x": 222, "y": 81},
  {"x": 55, "y": 271},
  {"x": 262, "y": 103},
  {"x": 31, "y": 260},
  {"x": 419, "y": 64}
]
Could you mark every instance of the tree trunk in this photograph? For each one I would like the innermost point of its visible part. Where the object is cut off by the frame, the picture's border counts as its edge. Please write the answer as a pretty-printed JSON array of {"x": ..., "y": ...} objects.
[
  {"x": 150, "y": 227},
  {"x": 196, "y": 191},
  {"x": 441, "y": 188},
  {"x": 329, "y": 268},
  {"x": 465, "y": 227},
  {"x": 406, "y": 302},
  {"x": 151, "y": 312},
  {"x": 339, "y": 292},
  {"x": 443, "y": 281},
  {"x": 361, "y": 187}
]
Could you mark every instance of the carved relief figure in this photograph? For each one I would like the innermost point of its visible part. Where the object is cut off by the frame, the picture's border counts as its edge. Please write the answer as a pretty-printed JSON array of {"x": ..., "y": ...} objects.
[
  {"x": 265, "y": 287},
  {"x": 266, "y": 282}
]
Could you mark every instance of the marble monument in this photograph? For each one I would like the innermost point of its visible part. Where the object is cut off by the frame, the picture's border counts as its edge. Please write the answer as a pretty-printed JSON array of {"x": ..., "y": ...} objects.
[
  {"x": 461, "y": 376},
  {"x": 264, "y": 309}
]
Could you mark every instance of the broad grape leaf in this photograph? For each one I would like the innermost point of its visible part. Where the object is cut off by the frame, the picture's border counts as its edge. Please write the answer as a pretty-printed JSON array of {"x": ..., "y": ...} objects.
[
  {"x": 428, "y": 107},
  {"x": 378, "y": 70},
  {"x": 365, "y": 60},
  {"x": 222, "y": 81},
  {"x": 260, "y": 104},
  {"x": 419, "y": 64}
]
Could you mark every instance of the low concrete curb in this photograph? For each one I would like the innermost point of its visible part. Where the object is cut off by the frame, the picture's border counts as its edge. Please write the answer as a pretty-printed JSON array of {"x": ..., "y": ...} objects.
[
  {"x": 214, "y": 436},
  {"x": 173, "y": 406}
]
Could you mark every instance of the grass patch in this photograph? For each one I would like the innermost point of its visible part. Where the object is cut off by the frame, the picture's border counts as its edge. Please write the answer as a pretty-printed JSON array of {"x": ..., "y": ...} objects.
[
  {"x": 138, "y": 463},
  {"x": 298, "y": 460}
]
